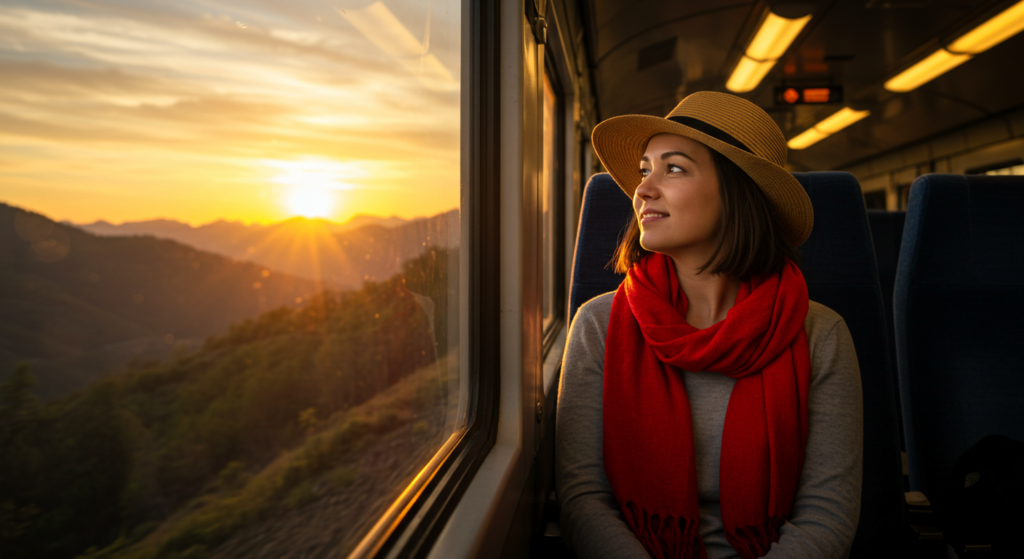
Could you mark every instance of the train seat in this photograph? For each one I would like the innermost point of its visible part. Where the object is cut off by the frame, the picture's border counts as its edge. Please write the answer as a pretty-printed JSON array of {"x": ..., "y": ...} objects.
[
  {"x": 605, "y": 212},
  {"x": 959, "y": 299},
  {"x": 841, "y": 273},
  {"x": 887, "y": 234}
]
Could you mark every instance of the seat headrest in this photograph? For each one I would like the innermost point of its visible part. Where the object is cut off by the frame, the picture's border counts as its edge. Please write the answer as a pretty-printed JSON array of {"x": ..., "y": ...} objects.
[
  {"x": 967, "y": 230},
  {"x": 604, "y": 215}
]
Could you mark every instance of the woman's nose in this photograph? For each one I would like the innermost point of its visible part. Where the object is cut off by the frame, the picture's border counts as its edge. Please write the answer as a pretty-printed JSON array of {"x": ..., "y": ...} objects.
[{"x": 647, "y": 189}]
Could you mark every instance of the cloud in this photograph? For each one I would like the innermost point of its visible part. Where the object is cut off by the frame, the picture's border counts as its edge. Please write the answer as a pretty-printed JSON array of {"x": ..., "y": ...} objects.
[{"x": 98, "y": 90}]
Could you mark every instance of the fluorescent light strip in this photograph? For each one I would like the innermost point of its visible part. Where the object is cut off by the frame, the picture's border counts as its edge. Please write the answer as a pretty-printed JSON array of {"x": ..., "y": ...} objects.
[
  {"x": 806, "y": 139},
  {"x": 845, "y": 117},
  {"x": 994, "y": 31},
  {"x": 769, "y": 44},
  {"x": 938, "y": 63},
  {"x": 1006, "y": 24},
  {"x": 775, "y": 36},
  {"x": 748, "y": 74}
]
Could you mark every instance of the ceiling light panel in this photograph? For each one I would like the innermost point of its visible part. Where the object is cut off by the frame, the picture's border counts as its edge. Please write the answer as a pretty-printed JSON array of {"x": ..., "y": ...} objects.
[
  {"x": 940, "y": 62},
  {"x": 806, "y": 139},
  {"x": 775, "y": 36},
  {"x": 840, "y": 120},
  {"x": 748, "y": 74},
  {"x": 994, "y": 31},
  {"x": 1006, "y": 24},
  {"x": 845, "y": 117},
  {"x": 770, "y": 42}
]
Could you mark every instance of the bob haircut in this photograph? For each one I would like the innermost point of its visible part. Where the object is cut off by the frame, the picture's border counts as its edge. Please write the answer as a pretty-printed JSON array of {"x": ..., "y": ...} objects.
[{"x": 749, "y": 240}]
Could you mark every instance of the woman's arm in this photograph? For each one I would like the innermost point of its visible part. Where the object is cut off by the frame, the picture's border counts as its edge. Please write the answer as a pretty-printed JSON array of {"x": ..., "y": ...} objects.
[
  {"x": 825, "y": 511},
  {"x": 590, "y": 519}
]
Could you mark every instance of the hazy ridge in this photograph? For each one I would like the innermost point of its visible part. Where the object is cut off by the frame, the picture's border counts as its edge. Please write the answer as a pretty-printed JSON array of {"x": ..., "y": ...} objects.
[
  {"x": 76, "y": 305},
  {"x": 340, "y": 255}
]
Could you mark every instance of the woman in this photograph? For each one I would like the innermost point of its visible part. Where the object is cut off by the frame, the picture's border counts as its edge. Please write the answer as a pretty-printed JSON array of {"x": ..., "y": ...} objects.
[{"x": 707, "y": 408}]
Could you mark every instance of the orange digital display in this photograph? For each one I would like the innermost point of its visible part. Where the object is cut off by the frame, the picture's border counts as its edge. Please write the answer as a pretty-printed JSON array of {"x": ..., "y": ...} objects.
[
  {"x": 790, "y": 95},
  {"x": 817, "y": 95}
]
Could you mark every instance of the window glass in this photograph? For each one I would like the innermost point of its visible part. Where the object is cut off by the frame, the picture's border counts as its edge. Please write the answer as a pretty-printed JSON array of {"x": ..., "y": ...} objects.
[
  {"x": 550, "y": 192},
  {"x": 1011, "y": 170},
  {"x": 229, "y": 290}
]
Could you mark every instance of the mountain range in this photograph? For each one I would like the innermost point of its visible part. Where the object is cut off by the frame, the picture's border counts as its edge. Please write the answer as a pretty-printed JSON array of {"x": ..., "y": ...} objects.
[
  {"x": 77, "y": 305},
  {"x": 342, "y": 255}
]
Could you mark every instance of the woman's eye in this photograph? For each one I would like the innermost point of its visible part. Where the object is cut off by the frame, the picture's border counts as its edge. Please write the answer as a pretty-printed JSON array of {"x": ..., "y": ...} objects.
[
  {"x": 645, "y": 172},
  {"x": 674, "y": 168}
]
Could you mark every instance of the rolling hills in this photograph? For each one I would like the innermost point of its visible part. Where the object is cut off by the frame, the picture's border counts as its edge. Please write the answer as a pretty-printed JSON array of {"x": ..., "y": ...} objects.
[{"x": 77, "y": 305}]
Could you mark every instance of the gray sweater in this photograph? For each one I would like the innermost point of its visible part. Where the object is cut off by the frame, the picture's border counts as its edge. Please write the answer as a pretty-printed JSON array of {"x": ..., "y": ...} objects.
[{"x": 825, "y": 510}]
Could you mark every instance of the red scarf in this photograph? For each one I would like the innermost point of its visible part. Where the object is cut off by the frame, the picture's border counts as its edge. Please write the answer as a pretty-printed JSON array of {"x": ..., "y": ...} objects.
[{"x": 648, "y": 434}]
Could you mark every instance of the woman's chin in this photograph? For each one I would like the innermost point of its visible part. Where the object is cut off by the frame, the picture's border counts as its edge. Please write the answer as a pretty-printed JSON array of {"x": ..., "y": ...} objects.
[{"x": 650, "y": 243}]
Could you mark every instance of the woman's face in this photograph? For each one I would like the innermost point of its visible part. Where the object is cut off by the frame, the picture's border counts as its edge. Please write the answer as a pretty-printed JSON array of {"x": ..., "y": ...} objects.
[{"x": 678, "y": 204}]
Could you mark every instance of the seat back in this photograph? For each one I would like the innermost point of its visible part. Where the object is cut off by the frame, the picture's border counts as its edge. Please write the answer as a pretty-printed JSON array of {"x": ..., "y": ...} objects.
[
  {"x": 841, "y": 273},
  {"x": 887, "y": 234},
  {"x": 604, "y": 215},
  {"x": 959, "y": 299},
  {"x": 839, "y": 266}
]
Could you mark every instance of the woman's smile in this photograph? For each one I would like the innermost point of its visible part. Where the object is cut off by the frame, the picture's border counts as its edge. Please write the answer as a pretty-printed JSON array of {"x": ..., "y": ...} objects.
[{"x": 650, "y": 216}]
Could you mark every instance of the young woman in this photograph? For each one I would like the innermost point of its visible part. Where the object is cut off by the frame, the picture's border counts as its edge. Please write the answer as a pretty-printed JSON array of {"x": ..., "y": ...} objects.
[{"x": 707, "y": 408}]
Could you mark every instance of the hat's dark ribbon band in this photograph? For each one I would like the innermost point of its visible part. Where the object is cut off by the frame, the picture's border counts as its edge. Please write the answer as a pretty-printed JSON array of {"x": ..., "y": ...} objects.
[{"x": 716, "y": 133}]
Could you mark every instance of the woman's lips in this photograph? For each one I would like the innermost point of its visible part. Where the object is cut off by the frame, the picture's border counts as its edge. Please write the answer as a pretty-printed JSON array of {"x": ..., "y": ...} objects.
[{"x": 652, "y": 217}]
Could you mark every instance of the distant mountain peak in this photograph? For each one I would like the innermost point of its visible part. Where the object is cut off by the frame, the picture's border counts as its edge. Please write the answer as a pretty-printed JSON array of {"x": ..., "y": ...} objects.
[{"x": 362, "y": 220}]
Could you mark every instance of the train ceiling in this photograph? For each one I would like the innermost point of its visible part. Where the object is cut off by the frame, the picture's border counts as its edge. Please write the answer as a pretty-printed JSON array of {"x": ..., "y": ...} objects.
[{"x": 649, "y": 54}]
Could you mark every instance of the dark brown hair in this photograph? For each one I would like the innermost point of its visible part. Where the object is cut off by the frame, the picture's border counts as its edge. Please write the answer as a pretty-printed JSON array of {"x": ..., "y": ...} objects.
[{"x": 750, "y": 241}]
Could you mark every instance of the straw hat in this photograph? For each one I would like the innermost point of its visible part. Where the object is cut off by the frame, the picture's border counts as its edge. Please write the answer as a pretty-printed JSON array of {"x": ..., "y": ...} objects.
[{"x": 730, "y": 125}]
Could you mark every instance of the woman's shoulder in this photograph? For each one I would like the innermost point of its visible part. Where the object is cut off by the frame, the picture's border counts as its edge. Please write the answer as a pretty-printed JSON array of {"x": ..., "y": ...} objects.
[
  {"x": 592, "y": 318},
  {"x": 831, "y": 345},
  {"x": 600, "y": 305},
  {"x": 820, "y": 321}
]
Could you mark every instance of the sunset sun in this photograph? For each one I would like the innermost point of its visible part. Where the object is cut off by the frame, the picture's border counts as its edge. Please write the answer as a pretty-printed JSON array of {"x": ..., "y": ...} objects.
[
  {"x": 312, "y": 185},
  {"x": 310, "y": 201}
]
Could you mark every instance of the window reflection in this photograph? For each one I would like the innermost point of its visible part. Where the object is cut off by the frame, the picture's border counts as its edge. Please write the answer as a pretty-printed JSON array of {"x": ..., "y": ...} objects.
[
  {"x": 550, "y": 191},
  {"x": 230, "y": 290}
]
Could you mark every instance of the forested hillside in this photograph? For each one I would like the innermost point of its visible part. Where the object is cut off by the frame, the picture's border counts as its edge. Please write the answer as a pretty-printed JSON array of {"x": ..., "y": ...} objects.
[
  {"x": 77, "y": 305},
  {"x": 274, "y": 434}
]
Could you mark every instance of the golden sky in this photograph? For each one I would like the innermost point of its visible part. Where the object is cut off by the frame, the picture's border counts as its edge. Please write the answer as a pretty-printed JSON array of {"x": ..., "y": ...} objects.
[{"x": 251, "y": 110}]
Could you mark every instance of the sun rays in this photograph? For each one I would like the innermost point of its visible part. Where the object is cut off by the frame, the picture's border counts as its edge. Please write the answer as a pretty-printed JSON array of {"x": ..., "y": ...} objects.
[{"x": 313, "y": 184}]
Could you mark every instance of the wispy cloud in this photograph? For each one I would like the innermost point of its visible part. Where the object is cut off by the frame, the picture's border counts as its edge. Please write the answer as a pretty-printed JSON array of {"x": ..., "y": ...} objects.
[{"x": 147, "y": 109}]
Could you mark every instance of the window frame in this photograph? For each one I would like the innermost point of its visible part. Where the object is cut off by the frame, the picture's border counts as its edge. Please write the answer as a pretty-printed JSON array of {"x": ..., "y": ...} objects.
[
  {"x": 414, "y": 521},
  {"x": 559, "y": 303}
]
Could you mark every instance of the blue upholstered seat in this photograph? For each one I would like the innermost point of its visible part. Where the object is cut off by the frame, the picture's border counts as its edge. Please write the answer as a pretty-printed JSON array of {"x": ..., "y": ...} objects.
[
  {"x": 841, "y": 273},
  {"x": 604, "y": 215},
  {"x": 959, "y": 302},
  {"x": 887, "y": 234}
]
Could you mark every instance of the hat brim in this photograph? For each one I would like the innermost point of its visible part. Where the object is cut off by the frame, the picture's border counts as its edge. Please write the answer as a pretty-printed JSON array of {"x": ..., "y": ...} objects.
[{"x": 620, "y": 142}]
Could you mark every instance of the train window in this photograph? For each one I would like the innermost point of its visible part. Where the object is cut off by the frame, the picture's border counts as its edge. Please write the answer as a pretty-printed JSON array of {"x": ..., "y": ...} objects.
[
  {"x": 1014, "y": 166},
  {"x": 552, "y": 195},
  {"x": 1012, "y": 170},
  {"x": 234, "y": 302}
]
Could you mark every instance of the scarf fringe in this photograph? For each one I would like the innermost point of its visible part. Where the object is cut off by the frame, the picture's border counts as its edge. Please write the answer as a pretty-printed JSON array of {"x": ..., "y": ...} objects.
[
  {"x": 669, "y": 537},
  {"x": 754, "y": 541}
]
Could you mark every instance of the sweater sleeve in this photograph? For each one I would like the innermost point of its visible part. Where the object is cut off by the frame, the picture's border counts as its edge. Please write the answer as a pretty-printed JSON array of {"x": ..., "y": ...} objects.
[
  {"x": 825, "y": 512},
  {"x": 591, "y": 522}
]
